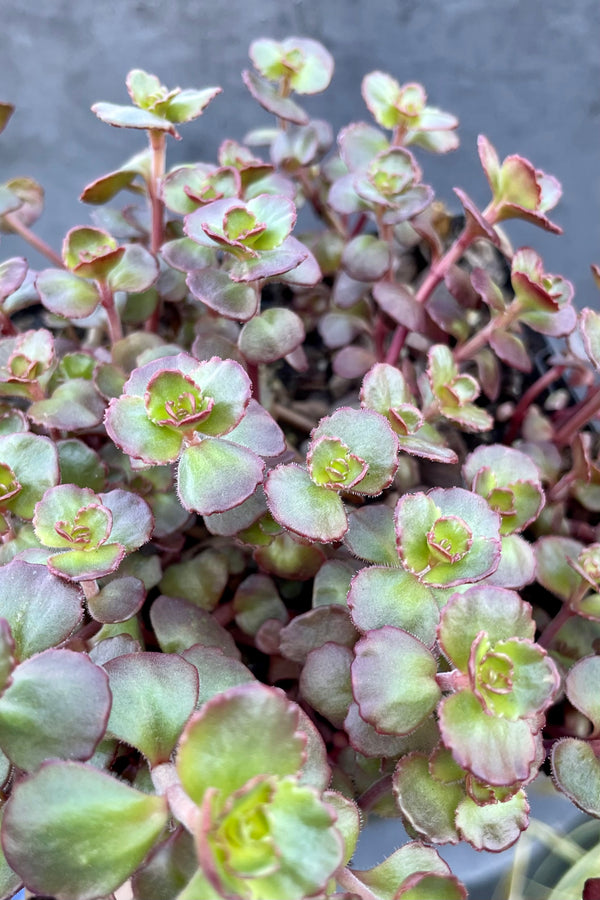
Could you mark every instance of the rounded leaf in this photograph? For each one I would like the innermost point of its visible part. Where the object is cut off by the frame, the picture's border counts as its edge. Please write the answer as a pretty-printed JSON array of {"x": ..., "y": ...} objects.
[
  {"x": 393, "y": 680},
  {"x": 381, "y": 596},
  {"x": 153, "y": 696},
  {"x": 246, "y": 731},
  {"x": 216, "y": 475},
  {"x": 271, "y": 335},
  {"x": 101, "y": 830},
  {"x": 56, "y": 705},
  {"x": 309, "y": 510}
]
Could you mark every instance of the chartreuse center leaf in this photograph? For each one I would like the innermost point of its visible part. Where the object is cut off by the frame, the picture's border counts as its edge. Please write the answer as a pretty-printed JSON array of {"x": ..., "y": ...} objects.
[
  {"x": 87, "y": 565},
  {"x": 306, "y": 508},
  {"x": 128, "y": 425},
  {"x": 513, "y": 678},
  {"x": 217, "y": 475},
  {"x": 77, "y": 833},
  {"x": 393, "y": 680},
  {"x": 57, "y": 705},
  {"x": 69, "y": 517},
  {"x": 331, "y": 464},
  {"x": 247, "y": 731},
  {"x": 498, "y": 612},
  {"x": 173, "y": 399},
  {"x": 153, "y": 696}
]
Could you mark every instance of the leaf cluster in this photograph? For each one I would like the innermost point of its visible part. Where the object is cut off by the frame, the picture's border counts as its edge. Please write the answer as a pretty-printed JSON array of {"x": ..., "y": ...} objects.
[{"x": 293, "y": 528}]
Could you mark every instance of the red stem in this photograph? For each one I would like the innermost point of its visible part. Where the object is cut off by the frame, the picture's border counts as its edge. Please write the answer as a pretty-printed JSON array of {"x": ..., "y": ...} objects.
[
  {"x": 527, "y": 399},
  {"x": 588, "y": 409},
  {"x": 108, "y": 302},
  {"x": 435, "y": 275},
  {"x": 348, "y": 880},
  {"x": 553, "y": 627},
  {"x": 35, "y": 241}
]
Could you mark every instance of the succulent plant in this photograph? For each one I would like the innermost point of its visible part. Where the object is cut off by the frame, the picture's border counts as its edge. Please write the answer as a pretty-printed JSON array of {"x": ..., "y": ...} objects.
[{"x": 292, "y": 529}]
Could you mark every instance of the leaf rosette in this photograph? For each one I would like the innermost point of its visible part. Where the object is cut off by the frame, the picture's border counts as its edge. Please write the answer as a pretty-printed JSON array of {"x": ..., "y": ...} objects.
[
  {"x": 351, "y": 450},
  {"x": 301, "y": 64},
  {"x": 455, "y": 392},
  {"x": 256, "y": 231},
  {"x": 177, "y": 408},
  {"x": 403, "y": 109},
  {"x": 264, "y": 831},
  {"x": 26, "y": 363},
  {"x": 447, "y": 537},
  {"x": 544, "y": 301},
  {"x": 491, "y": 472},
  {"x": 90, "y": 533},
  {"x": 388, "y": 185},
  {"x": 156, "y": 107},
  {"x": 520, "y": 191},
  {"x": 505, "y": 682}
]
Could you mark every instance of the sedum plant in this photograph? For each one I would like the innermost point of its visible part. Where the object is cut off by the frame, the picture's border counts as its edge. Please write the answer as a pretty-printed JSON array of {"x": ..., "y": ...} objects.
[{"x": 298, "y": 513}]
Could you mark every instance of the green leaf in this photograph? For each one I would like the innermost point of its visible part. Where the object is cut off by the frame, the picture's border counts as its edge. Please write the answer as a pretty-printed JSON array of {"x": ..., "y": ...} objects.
[
  {"x": 189, "y": 104},
  {"x": 201, "y": 580},
  {"x": 41, "y": 609},
  {"x": 367, "y": 435},
  {"x": 304, "y": 63},
  {"x": 128, "y": 425},
  {"x": 34, "y": 462},
  {"x": 552, "y": 568},
  {"x": 288, "y": 557},
  {"x": 371, "y": 535},
  {"x": 271, "y": 100},
  {"x": 216, "y": 671},
  {"x": 256, "y": 600},
  {"x": 169, "y": 869},
  {"x": 179, "y": 625},
  {"x": 589, "y": 324},
  {"x": 74, "y": 405},
  {"x": 581, "y": 688},
  {"x": 495, "y": 826},
  {"x": 495, "y": 750},
  {"x": 80, "y": 465},
  {"x": 56, "y": 705},
  {"x": 153, "y": 696},
  {"x": 232, "y": 740},
  {"x": 101, "y": 829},
  {"x": 66, "y": 294},
  {"x": 500, "y": 613},
  {"x": 216, "y": 475},
  {"x": 576, "y": 772},
  {"x": 381, "y": 596},
  {"x": 514, "y": 679},
  {"x": 87, "y": 565},
  {"x": 214, "y": 288},
  {"x": 393, "y": 680},
  {"x": 413, "y": 857},
  {"x": 271, "y": 335},
  {"x": 427, "y": 804},
  {"x": 297, "y": 503},
  {"x": 117, "y": 601},
  {"x": 325, "y": 681},
  {"x": 314, "y": 628},
  {"x": 130, "y": 117},
  {"x": 136, "y": 271}
]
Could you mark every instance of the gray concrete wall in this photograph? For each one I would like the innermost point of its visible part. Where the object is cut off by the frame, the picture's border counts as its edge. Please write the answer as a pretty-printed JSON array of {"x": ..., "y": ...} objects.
[{"x": 523, "y": 72}]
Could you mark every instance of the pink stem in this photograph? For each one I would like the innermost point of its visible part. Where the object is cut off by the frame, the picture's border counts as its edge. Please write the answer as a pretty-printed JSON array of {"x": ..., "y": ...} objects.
[
  {"x": 435, "y": 275},
  {"x": 588, "y": 409},
  {"x": 348, "y": 880},
  {"x": 35, "y": 241},
  {"x": 527, "y": 399}
]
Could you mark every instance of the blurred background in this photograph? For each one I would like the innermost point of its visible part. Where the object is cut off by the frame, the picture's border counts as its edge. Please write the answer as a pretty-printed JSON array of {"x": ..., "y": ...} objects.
[{"x": 523, "y": 72}]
